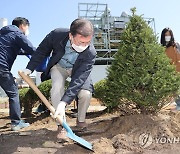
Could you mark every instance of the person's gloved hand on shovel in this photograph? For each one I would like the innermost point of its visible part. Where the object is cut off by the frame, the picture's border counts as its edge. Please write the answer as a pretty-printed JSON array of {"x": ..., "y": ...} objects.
[
  {"x": 26, "y": 71},
  {"x": 60, "y": 111}
]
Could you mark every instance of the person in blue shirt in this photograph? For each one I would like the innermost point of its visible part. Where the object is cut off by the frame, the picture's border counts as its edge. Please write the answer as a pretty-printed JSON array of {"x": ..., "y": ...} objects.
[
  {"x": 13, "y": 42},
  {"x": 72, "y": 54}
]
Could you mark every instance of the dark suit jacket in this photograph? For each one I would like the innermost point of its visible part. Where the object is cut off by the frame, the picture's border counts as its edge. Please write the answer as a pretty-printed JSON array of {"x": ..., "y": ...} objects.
[{"x": 54, "y": 44}]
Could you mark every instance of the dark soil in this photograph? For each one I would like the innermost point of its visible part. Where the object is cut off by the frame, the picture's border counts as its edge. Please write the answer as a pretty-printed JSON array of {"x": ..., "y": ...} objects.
[{"x": 109, "y": 133}]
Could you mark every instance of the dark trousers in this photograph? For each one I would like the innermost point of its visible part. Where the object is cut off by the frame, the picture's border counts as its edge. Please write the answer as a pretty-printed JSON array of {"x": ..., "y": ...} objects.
[{"x": 9, "y": 86}]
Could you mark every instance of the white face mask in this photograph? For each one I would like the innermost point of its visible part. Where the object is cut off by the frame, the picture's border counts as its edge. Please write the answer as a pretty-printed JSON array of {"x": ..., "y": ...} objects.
[
  {"x": 26, "y": 32},
  {"x": 167, "y": 38},
  {"x": 79, "y": 48}
]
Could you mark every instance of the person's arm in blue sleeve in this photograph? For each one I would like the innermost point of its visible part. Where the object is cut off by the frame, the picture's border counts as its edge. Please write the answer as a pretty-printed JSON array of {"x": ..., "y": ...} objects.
[
  {"x": 43, "y": 51},
  {"x": 25, "y": 44}
]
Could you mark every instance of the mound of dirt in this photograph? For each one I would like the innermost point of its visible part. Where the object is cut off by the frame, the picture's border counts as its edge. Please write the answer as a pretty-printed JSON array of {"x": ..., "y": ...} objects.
[
  {"x": 109, "y": 133},
  {"x": 141, "y": 134}
]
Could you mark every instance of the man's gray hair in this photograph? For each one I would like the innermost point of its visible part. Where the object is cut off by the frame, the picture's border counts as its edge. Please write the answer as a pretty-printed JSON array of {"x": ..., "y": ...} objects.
[{"x": 81, "y": 26}]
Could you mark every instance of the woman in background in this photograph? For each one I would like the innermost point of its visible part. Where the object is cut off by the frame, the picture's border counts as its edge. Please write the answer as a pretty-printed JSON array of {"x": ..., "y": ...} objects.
[
  {"x": 172, "y": 47},
  {"x": 172, "y": 50}
]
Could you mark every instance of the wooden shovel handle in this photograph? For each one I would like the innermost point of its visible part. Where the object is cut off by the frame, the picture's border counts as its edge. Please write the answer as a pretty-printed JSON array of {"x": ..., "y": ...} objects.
[{"x": 38, "y": 92}]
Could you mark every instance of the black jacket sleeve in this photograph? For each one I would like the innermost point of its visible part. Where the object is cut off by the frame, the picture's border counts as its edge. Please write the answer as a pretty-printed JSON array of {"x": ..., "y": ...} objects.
[{"x": 41, "y": 53}]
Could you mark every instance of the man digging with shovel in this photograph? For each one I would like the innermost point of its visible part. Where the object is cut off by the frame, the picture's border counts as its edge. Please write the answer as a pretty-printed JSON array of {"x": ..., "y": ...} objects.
[{"x": 71, "y": 55}]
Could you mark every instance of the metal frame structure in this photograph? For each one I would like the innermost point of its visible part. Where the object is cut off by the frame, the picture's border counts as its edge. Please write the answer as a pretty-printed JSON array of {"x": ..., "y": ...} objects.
[{"x": 107, "y": 29}]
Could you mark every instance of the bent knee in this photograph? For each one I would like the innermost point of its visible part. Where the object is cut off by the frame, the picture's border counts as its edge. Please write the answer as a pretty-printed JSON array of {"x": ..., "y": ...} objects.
[{"x": 85, "y": 93}]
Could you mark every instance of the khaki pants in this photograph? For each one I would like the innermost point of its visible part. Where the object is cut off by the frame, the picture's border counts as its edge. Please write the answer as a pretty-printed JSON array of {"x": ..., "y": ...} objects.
[{"x": 59, "y": 76}]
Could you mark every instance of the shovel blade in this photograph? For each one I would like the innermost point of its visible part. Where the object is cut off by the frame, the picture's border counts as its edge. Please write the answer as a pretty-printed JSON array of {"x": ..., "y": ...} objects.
[{"x": 76, "y": 138}]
